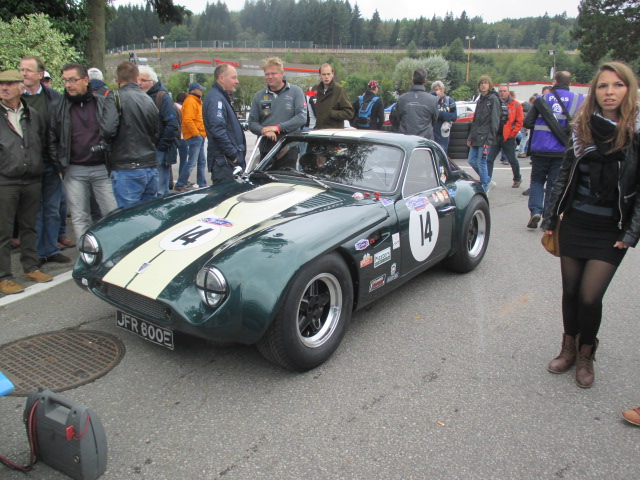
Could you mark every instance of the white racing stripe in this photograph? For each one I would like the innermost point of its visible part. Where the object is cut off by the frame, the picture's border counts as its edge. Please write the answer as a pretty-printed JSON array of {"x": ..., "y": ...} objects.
[{"x": 185, "y": 242}]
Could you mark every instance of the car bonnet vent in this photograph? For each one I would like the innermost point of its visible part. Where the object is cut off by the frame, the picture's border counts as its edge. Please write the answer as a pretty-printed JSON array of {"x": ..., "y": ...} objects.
[
  {"x": 319, "y": 201},
  {"x": 264, "y": 193}
]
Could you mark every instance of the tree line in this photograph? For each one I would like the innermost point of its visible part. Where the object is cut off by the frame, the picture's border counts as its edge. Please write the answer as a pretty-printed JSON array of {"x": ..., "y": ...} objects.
[{"x": 334, "y": 23}]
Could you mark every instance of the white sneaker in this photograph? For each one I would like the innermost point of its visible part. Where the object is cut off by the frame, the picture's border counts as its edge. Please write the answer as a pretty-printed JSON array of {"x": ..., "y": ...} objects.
[{"x": 490, "y": 185}]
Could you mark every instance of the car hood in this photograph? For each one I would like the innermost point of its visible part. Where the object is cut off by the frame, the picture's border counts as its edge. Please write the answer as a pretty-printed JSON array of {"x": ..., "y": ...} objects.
[{"x": 239, "y": 219}]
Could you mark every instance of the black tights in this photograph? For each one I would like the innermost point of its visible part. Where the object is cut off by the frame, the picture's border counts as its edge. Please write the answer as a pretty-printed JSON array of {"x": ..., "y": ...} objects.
[{"x": 584, "y": 283}]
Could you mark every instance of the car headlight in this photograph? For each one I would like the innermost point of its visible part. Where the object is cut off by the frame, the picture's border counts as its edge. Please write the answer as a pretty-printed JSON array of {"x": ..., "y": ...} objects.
[
  {"x": 89, "y": 249},
  {"x": 212, "y": 287}
]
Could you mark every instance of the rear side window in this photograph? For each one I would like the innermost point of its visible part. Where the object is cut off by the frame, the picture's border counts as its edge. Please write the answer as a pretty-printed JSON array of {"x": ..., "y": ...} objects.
[{"x": 421, "y": 174}]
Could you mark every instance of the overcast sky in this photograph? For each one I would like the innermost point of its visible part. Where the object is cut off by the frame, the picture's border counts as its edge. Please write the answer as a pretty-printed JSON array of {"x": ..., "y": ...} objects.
[{"x": 490, "y": 10}]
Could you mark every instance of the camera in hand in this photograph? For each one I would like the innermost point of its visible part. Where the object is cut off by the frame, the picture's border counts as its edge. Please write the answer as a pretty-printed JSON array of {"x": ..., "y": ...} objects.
[{"x": 101, "y": 147}]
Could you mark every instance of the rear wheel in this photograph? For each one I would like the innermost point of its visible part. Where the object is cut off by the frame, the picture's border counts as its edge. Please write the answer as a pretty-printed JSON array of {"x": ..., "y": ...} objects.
[
  {"x": 313, "y": 318},
  {"x": 473, "y": 237}
]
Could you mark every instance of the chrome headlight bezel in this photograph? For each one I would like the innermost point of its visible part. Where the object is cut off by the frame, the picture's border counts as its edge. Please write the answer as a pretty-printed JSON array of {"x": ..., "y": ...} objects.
[
  {"x": 212, "y": 286},
  {"x": 89, "y": 249}
]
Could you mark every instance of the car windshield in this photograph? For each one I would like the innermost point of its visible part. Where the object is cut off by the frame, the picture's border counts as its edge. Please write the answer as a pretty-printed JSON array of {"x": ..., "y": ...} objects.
[{"x": 359, "y": 164}]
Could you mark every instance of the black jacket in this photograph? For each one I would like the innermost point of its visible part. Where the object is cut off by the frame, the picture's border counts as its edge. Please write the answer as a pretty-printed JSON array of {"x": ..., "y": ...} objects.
[
  {"x": 628, "y": 190},
  {"x": 486, "y": 120},
  {"x": 133, "y": 134},
  {"x": 21, "y": 159},
  {"x": 60, "y": 128},
  {"x": 168, "y": 128}
]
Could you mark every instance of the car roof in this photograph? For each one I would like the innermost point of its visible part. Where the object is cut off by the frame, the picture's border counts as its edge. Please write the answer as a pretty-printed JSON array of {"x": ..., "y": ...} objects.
[{"x": 408, "y": 142}]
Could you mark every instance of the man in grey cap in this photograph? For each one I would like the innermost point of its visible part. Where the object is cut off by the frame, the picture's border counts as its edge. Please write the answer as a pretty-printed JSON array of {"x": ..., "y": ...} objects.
[
  {"x": 194, "y": 133},
  {"x": 21, "y": 142}
]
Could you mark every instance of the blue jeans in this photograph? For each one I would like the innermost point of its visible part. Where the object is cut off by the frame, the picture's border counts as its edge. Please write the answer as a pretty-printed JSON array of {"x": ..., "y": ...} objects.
[
  {"x": 523, "y": 142},
  {"x": 131, "y": 187},
  {"x": 478, "y": 162},
  {"x": 183, "y": 153},
  {"x": 48, "y": 223},
  {"x": 164, "y": 174},
  {"x": 196, "y": 154},
  {"x": 508, "y": 148},
  {"x": 544, "y": 170}
]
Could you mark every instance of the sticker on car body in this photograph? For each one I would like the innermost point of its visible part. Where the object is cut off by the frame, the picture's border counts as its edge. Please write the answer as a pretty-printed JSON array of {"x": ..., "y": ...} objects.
[{"x": 424, "y": 227}]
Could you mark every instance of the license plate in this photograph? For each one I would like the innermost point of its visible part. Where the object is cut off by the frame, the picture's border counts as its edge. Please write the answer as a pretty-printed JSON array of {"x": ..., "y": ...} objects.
[{"x": 148, "y": 331}]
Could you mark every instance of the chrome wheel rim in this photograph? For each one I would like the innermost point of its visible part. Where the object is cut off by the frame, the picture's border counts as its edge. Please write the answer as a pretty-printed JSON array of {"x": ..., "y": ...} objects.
[
  {"x": 477, "y": 233},
  {"x": 319, "y": 310}
]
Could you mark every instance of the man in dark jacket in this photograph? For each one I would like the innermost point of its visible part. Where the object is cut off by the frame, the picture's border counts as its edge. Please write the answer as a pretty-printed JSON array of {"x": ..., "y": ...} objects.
[
  {"x": 549, "y": 140},
  {"x": 332, "y": 105},
  {"x": 133, "y": 140},
  {"x": 21, "y": 131},
  {"x": 77, "y": 146},
  {"x": 227, "y": 144},
  {"x": 51, "y": 224},
  {"x": 484, "y": 130},
  {"x": 369, "y": 109},
  {"x": 168, "y": 127},
  {"x": 96, "y": 82},
  {"x": 417, "y": 110}
]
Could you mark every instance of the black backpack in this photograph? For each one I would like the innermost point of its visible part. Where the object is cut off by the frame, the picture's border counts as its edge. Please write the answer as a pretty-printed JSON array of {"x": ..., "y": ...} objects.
[{"x": 364, "y": 112}]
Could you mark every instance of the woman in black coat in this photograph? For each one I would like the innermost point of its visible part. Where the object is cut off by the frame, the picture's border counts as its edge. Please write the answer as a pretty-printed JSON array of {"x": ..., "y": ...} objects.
[{"x": 596, "y": 192}]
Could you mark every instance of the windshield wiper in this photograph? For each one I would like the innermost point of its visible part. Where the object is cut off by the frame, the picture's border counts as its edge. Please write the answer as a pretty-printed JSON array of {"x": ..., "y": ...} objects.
[
  {"x": 271, "y": 177},
  {"x": 307, "y": 175}
]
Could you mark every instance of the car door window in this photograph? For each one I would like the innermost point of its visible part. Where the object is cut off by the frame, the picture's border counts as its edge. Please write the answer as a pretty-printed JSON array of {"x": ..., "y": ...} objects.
[{"x": 421, "y": 175}]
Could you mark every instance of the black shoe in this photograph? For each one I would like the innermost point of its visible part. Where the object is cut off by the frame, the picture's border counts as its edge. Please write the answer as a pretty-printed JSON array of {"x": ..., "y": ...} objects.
[
  {"x": 526, "y": 192},
  {"x": 534, "y": 220},
  {"x": 59, "y": 258}
]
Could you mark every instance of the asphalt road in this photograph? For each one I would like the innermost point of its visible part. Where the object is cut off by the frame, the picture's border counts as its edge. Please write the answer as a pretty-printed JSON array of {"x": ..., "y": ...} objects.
[{"x": 443, "y": 379}]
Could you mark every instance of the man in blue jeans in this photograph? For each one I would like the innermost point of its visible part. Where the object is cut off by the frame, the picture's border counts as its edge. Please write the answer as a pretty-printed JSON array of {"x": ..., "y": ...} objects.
[
  {"x": 547, "y": 148},
  {"x": 134, "y": 175}
]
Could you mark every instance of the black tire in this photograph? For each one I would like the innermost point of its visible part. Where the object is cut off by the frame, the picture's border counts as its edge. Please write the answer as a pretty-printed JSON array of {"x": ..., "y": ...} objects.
[
  {"x": 458, "y": 152},
  {"x": 473, "y": 239},
  {"x": 323, "y": 289}
]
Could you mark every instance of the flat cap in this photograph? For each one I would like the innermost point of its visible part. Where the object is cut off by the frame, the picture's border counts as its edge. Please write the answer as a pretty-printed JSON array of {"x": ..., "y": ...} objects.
[
  {"x": 11, "y": 76},
  {"x": 195, "y": 86}
]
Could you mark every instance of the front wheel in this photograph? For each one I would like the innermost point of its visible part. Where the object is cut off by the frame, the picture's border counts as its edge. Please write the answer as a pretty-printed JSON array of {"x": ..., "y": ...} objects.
[
  {"x": 313, "y": 318},
  {"x": 473, "y": 237}
]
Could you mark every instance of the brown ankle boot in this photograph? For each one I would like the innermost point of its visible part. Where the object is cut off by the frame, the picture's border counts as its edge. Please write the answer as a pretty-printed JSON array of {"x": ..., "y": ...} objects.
[
  {"x": 585, "y": 375},
  {"x": 567, "y": 356}
]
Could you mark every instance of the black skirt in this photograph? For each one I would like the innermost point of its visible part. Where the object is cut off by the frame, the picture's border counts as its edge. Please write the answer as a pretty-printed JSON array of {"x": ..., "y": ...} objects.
[{"x": 590, "y": 237}]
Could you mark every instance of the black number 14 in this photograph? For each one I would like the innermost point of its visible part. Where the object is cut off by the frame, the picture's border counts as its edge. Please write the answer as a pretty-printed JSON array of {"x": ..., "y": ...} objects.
[{"x": 428, "y": 233}]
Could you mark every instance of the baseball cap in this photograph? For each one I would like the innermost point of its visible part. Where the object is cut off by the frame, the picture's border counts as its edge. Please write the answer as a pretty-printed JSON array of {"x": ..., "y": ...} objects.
[
  {"x": 195, "y": 86},
  {"x": 11, "y": 76},
  {"x": 373, "y": 84},
  {"x": 46, "y": 75}
]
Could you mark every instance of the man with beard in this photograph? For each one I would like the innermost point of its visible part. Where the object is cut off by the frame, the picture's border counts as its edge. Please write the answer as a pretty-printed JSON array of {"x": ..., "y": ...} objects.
[{"x": 77, "y": 146}]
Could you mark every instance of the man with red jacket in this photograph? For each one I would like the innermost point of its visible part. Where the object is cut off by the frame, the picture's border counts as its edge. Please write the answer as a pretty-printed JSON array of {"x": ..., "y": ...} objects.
[{"x": 506, "y": 138}]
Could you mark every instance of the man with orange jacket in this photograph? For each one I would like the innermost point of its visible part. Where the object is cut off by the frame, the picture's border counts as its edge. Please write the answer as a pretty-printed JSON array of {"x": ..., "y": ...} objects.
[
  {"x": 506, "y": 138},
  {"x": 194, "y": 133}
]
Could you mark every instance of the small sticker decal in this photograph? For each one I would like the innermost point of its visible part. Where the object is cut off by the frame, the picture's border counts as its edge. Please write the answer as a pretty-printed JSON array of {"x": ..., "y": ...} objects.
[
  {"x": 358, "y": 196},
  {"x": 366, "y": 260},
  {"x": 445, "y": 193},
  {"x": 386, "y": 201},
  {"x": 452, "y": 192},
  {"x": 396, "y": 240},
  {"x": 417, "y": 203},
  {"x": 440, "y": 196},
  {"x": 377, "y": 282},
  {"x": 393, "y": 268},
  {"x": 362, "y": 244},
  {"x": 217, "y": 221},
  {"x": 434, "y": 197},
  {"x": 382, "y": 257},
  {"x": 142, "y": 267}
]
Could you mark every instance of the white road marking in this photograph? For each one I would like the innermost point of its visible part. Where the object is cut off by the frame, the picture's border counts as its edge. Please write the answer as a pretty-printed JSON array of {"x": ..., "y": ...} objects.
[{"x": 35, "y": 288}]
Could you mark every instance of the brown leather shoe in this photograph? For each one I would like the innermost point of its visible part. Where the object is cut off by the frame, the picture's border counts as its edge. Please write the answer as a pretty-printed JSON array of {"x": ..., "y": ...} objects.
[
  {"x": 9, "y": 287},
  {"x": 38, "y": 276},
  {"x": 585, "y": 374},
  {"x": 632, "y": 415},
  {"x": 567, "y": 356},
  {"x": 58, "y": 258},
  {"x": 65, "y": 242},
  {"x": 516, "y": 183}
]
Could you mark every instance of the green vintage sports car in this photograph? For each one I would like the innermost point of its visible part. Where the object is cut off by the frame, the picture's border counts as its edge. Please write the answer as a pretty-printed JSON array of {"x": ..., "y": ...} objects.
[{"x": 328, "y": 222}]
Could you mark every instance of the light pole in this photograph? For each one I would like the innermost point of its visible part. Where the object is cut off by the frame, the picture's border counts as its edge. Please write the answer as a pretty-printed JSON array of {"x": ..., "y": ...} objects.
[
  {"x": 159, "y": 39},
  {"x": 553, "y": 72},
  {"x": 469, "y": 55}
]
